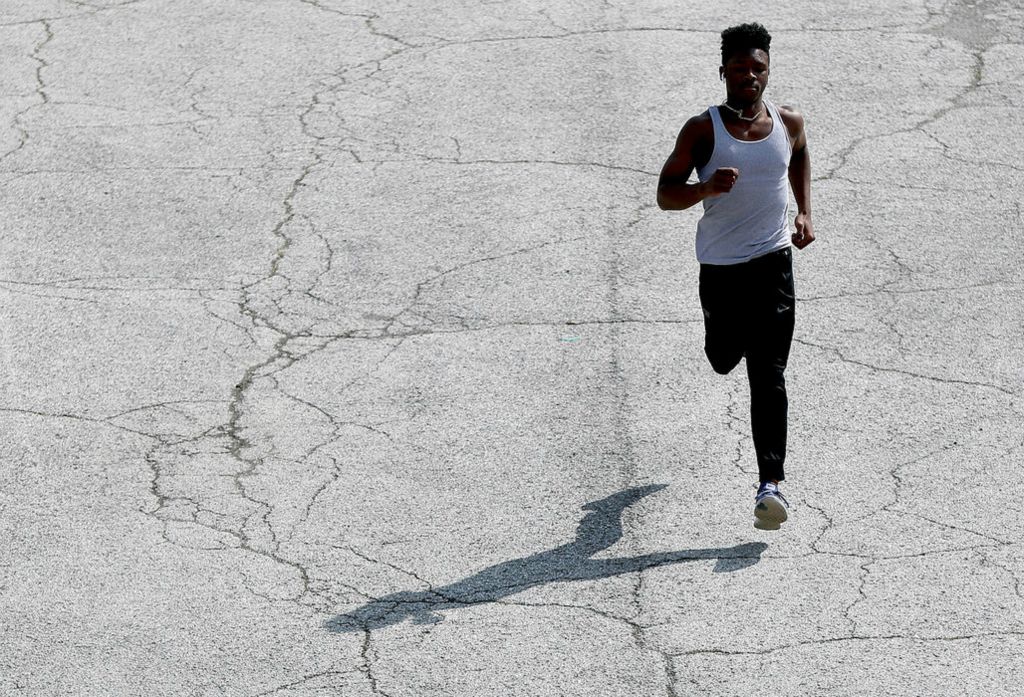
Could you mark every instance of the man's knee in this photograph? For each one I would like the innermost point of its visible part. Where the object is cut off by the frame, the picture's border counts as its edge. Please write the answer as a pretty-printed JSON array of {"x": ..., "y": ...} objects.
[
  {"x": 767, "y": 375},
  {"x": 722, "y": 362}
]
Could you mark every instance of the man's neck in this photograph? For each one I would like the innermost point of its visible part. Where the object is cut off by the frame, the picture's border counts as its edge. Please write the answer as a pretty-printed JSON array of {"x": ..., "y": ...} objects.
[{"x": 744, "y": 110}]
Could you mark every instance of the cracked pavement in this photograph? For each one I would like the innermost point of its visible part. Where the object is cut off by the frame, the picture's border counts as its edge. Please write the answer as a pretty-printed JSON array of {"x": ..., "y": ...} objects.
[{"x": 345, "y": 352}]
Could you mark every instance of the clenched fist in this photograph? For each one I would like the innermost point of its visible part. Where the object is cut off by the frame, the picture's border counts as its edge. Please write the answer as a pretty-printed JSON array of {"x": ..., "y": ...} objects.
[
  {"x": 804, "y": 233},
  {"x": 720, "y": 182}
]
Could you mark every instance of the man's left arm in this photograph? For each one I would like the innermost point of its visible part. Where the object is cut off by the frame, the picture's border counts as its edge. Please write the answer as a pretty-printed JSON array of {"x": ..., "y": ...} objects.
[{"x": 799, "y": 177}]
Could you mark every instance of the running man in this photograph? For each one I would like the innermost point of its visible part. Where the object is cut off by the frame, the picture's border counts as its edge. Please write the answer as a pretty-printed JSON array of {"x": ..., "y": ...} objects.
[{"x": 744, "y": 150}]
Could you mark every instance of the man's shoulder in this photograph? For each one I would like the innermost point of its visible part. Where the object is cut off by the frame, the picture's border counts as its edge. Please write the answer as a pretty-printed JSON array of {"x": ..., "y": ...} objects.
[
  {"x": 699, "y": 126},
  {"x": 793, "y": 119},
  {"x": 701, "y": 119}
]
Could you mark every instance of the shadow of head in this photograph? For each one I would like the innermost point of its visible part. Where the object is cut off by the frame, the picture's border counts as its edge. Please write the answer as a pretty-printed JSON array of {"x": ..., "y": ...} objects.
[{"x": 420, "y": 607}]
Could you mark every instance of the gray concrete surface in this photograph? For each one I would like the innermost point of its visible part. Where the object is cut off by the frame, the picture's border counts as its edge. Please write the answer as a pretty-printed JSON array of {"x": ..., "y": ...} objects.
[{"x": 345, "y": 352}]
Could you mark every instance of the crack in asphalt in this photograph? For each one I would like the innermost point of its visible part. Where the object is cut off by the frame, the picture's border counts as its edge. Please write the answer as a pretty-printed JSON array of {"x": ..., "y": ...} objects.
[
  {"x": 955, "y": 102},
  {"x": 865, "y": 569},
  {"x": 737, "y": 425},
  {"x": 195, "y": 97},
  {"x": 105, "y": 421},
  {"x": 310, "y": 677},
  {"x": 420, "y": 286},
  {"x": 1003, "y": 283},
  {"x": 17, "y": 122},
  {"x": 367, "y": 667},
  {"x": 841, "y": 640},
  {"x": 93, "y": 11},
  {"x": 621, "y": 428},
  {"x": 838, "y": 353},
  {"x": 521, "y": 161},
  {"x": 369, "y": 21},
  {"x": 255, "y": 533},
  {"x": 1014, "y": 578},
  {"x": 898, "y": 485},
  {"x": 377, "y": 335}
]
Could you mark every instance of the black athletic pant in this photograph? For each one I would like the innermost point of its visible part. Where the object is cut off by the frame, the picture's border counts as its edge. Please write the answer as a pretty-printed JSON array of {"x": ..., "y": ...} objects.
[{"x": 748, "y": 311}]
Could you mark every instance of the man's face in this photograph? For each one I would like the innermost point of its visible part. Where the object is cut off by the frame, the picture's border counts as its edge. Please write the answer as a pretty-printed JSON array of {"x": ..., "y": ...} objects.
[{"x": 746, "y": 75}]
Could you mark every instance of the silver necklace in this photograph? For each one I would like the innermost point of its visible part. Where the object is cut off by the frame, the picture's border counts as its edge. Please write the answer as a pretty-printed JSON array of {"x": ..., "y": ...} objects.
[{"x": 739, "y": 112}]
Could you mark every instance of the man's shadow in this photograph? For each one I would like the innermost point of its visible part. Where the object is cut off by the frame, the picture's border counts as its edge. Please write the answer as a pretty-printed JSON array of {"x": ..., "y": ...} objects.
[{"x": 599, "y": 529}]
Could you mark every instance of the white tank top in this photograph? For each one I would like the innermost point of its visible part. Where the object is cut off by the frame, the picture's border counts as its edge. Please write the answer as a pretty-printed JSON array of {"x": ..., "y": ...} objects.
[{"x": 752, "y": 219}]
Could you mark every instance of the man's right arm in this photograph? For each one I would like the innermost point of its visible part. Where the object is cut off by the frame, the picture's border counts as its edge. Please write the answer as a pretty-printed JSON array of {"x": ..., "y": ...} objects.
[{"x": 693, "y": 149}]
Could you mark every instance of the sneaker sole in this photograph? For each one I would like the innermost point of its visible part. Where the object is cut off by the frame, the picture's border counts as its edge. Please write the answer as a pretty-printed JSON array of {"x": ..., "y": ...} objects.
[{"x": 769, "y": 514}]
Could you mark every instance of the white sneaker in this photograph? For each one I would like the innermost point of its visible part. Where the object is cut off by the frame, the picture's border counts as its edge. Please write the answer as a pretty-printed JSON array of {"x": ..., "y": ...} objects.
[{"x": 770, "y": 507}]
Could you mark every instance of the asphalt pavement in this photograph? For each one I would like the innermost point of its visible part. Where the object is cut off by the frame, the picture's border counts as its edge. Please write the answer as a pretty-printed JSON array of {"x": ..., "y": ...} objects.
[{"x": 345, "y": 351}]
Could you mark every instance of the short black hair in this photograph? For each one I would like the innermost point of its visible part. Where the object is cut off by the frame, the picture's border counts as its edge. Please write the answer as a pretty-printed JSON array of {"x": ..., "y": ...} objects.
[{"x": 744, "y": 37}]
